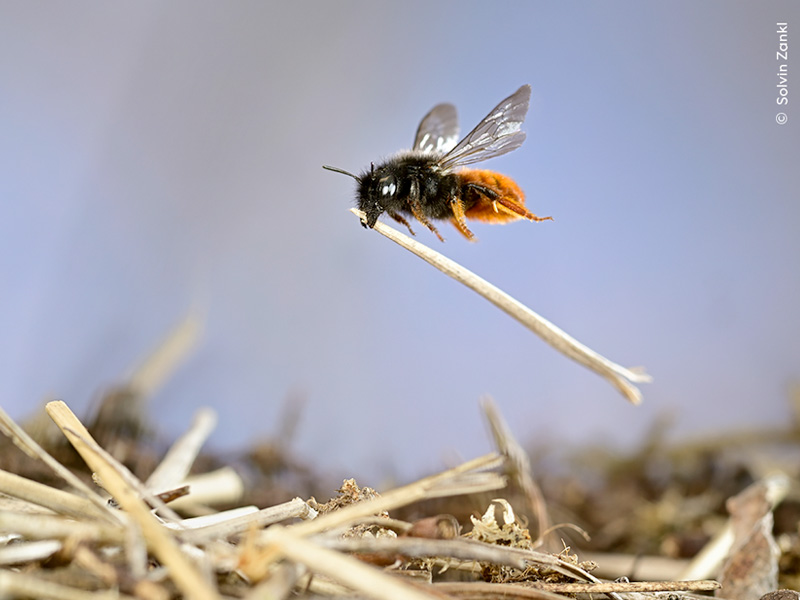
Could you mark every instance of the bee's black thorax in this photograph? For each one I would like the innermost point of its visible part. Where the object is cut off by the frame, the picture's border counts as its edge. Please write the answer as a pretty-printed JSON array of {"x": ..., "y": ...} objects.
[{"x": 404, "y": 181}]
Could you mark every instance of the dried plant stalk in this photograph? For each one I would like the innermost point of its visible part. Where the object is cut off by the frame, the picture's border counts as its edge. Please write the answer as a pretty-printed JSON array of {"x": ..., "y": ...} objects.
[
  {"x": 295, "y": 508},
  {"x": 222, "y": 486},
  {"x": 34, "y": 526},
  {"x": 370, "y": 581},
  {"x": 24, "y": 585},
  {"x": 518, "y": 465},
  {"x": 160, "y": 363},
  {"x": 552, "y": 591},
  {"x": 23, "y": 552},
  {"x": 625, "y": 587},
  {"x": 65, "y": 503},
  {"x": 463, "y": 479},
  {"x": 620, "y": 377},
  {"x": 460, "y": 549},
  {"x": 466, "y": 478},
  {"x": 479, "y": 590},
  {"x": 175, "y": 466},
  {"x": 28, "y": 445},
  {"x": 160, "y": 541},
  {"x": 649, "y": 568}
]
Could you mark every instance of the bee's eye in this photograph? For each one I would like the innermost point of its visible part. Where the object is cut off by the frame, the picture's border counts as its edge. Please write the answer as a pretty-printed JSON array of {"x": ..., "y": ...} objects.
[{"x": 387, "y": 186}]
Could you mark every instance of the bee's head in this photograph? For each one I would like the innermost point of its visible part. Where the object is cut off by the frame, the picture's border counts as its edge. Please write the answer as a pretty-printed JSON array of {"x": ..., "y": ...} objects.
[{"x": 376, "y": 189}]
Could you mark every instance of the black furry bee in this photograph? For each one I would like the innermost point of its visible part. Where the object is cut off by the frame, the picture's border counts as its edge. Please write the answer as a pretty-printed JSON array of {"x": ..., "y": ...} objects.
[{"x": 428, "y": 183}]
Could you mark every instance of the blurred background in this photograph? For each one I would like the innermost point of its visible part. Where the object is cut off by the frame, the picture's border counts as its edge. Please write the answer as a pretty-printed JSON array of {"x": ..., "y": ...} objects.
[{"x": 160, "y": 158}]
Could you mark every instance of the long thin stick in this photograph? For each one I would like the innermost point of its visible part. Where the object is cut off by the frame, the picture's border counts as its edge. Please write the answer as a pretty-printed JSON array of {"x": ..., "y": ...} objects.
[
  {"x": 60, "y": 501},
  {"x": 620, "y": 377},
  {"x": 29, "y": 446},
  {"x": 161, "y": 541},
  {"x": 467, "y": 478},
  {"x": 370, "y": 581},
  {"x": 518, "y": 466},
  {"x": 177, "y": 463},
  {"x": 533, "y": 590}
]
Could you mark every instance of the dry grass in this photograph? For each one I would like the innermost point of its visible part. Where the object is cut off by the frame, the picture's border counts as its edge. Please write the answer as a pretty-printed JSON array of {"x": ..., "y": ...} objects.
[{"x": 70, "y": 543}]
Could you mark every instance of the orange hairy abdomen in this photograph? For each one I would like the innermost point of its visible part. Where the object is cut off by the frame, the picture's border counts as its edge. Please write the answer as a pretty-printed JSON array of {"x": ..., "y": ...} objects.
[{"x": 506, "y": 203}]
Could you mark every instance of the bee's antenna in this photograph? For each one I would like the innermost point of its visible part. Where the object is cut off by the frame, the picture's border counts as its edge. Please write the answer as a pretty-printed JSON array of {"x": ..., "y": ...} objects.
[{"x": 342, "y": 171}]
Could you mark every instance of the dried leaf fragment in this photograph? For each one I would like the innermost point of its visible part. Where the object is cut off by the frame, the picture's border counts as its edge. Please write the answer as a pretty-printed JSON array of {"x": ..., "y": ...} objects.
[{"x": 751, "y": 569}]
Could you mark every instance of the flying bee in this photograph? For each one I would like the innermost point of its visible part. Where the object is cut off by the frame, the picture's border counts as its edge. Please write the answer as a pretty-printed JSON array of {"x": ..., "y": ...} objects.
[{"x": 428, "y": 183}]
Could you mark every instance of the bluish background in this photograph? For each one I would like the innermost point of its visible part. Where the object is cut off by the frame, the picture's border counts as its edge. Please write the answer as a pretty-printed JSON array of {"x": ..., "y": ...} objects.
[{"x": 157, "y": 157}]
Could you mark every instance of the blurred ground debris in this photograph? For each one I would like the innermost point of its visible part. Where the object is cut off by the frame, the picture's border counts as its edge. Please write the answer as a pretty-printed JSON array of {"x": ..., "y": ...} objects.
[
  {"x": 648, "y": 517},
  {"x": 107, "y": 510}
]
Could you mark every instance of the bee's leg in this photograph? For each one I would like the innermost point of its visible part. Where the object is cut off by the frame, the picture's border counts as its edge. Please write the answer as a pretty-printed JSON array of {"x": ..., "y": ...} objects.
[
  {"x": 500, "y": 202},
  {"x": 400, "y": 219},
  {"x": 481, "y": 189},
  {"x": 516, "y": 209},
  {"x": 497, "y": 199},
  {"x": 416, "y": 209},
  {"x": 459, "y": 221}
]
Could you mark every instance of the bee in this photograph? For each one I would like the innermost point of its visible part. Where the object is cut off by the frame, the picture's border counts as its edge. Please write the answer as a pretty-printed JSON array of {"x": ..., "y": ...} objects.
[{"x": 429, "y": 183}]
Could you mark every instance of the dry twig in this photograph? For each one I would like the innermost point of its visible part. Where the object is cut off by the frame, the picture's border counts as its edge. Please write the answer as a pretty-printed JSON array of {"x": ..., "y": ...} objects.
[
  {"x": 518, "y": 465},
  {"x": 160, "y": 541},
  {"x": 620, "y": 377},
  {"x": 175, "y": 466}
]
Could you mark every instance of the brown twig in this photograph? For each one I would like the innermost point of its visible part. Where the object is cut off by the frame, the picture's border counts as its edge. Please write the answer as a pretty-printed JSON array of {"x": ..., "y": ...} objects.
[{"x": 552, "y": 591}]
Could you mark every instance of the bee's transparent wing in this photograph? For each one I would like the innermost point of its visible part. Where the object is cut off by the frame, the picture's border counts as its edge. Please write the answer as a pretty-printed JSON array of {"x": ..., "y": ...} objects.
[
  {"x": 497, "y": 134},
  {"x": 438, "y": 131}
]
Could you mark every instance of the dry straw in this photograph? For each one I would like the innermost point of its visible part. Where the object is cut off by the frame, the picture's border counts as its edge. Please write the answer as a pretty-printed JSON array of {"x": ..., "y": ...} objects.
[
  {"x": 310, "y": 556},
  {"x": 620, "y": 377}
]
